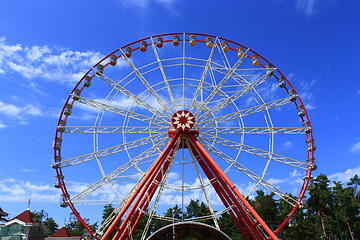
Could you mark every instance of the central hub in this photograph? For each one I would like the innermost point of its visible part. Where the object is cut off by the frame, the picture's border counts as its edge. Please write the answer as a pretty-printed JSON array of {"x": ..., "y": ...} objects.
[{"x": 183, "y": 120}]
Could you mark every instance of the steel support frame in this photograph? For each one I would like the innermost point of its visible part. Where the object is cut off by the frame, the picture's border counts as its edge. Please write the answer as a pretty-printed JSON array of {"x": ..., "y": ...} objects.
[
  {"x": 226, "y": 183},
  {"x": 244, "y": 216}
]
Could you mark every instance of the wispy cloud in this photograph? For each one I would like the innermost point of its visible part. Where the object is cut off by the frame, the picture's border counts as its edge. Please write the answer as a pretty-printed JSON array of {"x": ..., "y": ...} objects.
[
  {"x": 287, "y": 145},
  {"x": 295, "y": 173},
  {"x": 170, "y": 5},
  {"x": 355, "y": 147},
  {"x": 345, "y": 176},
  {"x": 20, "y": 191},
  {"x": 18, "y": 112},
  {"x": 2, "y": 125},
  {"x": 28, "y": 170},
  {"x": 50, "y": 63},
  {"x": 306, "y": 7}
]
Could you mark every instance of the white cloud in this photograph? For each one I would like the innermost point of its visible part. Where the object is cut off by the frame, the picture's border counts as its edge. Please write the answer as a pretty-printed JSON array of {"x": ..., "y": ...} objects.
[
  {"x": 355, "y": 147},
  {"x": 287, "y": 145},
  {"x": 11, "y": 110},
  {"x": 28, "y": 170},
  {"x": 276, "y": 181},
  {"x": 20, "y": 191},
  {"x": 50, "y": 63},
  {"x": 170, "y": 5},
  {"x": 295, "y": 173},
  {"x": 2, "y": 125},
  {"x": 306, "y": 7},
  {"x": 345, "y": 176}
]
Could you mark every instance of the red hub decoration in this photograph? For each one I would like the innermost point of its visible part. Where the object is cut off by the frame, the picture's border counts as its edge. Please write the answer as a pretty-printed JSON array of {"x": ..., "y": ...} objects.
[{"x": 183, "y": 120}]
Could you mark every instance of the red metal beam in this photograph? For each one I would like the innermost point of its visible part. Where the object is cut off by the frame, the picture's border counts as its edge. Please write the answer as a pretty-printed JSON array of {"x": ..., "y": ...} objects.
[
  {"x": 146, "y": 200},
  {"x": 157, "y": 164},
  {"x": 217, "y": 171},
  {"x": 223, "y": 196},
  {"x": 239, "y": 210}
]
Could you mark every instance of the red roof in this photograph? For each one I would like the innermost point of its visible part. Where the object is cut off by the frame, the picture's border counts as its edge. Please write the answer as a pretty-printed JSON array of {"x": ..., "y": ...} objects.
[
  {"x": 26, "y": 217},
  {"x": 62, "y": 232}
]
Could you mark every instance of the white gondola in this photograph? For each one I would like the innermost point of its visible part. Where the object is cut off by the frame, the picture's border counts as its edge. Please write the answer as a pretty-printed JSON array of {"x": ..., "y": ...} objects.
[
  {"x": 113, "y": 60},
  {"x": 143, "y": 46},
  {"x": 128, "y": 51},
  {"x": 281, "y": 81},
  {"x": 292, "y": 221},
  {"x": 159, "y": 42},
  {"x": 57, "y": 183},
  {"x": 192, "y": 40},
  {"x": 240, "y": 52},
  {"x": 87, "y": 81},
  {"x": 225, "y": 46},
  {"x": 73, "y": 220},
  {"x": 68, "y": 109},
  {"x": 58, "y": 159},
  {"x": 269, "y": 70},
  {"x": 76, "y": 94},
  {"x": 313, "y": 165},
  {"x": 310, "y": 146},
  {"x": 209, "y": 42},
  {"x": 99, "y": 69},
  {"x": 306, "y": 126},
  {"x": 292, "y": 95},
  {"x": 176, "y": 40},
  {"x": 61, "y": 127},
  {"x": 311, "y": 184},
  {"x": 255, "y": 60},
  {"x": 300, "y": 110},
  {"x": 63, "y": 203},
  {"x": 57, "y": 143}
]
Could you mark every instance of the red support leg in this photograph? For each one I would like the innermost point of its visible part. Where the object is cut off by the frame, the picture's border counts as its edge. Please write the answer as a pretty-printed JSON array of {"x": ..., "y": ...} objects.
[
  {"x": 145, "y": 187},
  {"x": 223, "y": 196},
  {"x": 146, "y": 200},
  {"x": 217, "y": 171},
  {"x": 157, "y": 164}
]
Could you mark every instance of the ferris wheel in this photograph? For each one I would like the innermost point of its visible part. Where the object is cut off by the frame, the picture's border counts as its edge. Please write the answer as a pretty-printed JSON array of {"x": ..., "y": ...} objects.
[{"x": 182, "y": 116}]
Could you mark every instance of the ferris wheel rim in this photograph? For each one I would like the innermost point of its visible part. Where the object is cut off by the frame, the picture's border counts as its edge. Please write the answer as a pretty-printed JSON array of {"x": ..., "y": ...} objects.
[{"x": 59, "y": 135}]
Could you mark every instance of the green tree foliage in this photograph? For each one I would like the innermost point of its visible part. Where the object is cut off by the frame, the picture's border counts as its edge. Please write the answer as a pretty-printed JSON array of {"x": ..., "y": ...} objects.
[
  {"x": 196, "y": 210},
  {"x": 43, "y": 217},
  {"x": 330, "y": 210},
  {"x": 158, "y": 223},
  {"x": 108, "y": 210},
  {"x": 40, "y": 215},
  {"x": 267, "y": 208},
  {"x": 51, "y": 225},
  {"x": 228, "y": 226},
  {"x": 320, "y": 205},
  {"x": 77, "y": 229}
]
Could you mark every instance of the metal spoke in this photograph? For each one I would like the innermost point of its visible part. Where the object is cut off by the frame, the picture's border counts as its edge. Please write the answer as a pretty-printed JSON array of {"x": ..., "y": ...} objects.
[
  {"x": 123, "y": 112},
  {"x": 201, "y": 82},
  {"x": 248, "y": 173},
  {"x": 203, "y": 187},
  {"x": 149, "y": 153},
  {"x": 253, "y": 130},
  {"x": 218, "y": 87},
  {"x": 146, "y": 84},
  {"x": 255, "y": 151},
  {"x": 134, "y": 97},
  {"x": 111, "y": 150},
  {"x": 124, "y": 130},
  {"x": 228, "y": 100},
  {"x": 244, "y": 112},
  {"x": 164, "y": 76}
]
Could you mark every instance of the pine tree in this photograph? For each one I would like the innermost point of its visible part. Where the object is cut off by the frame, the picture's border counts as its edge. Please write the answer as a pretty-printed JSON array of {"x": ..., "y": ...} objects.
[{"x": 267, "y": 208}]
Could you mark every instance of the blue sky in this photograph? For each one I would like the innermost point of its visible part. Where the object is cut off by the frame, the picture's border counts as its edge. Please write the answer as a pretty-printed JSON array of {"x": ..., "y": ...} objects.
[{"x": 47, "y": 46}]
